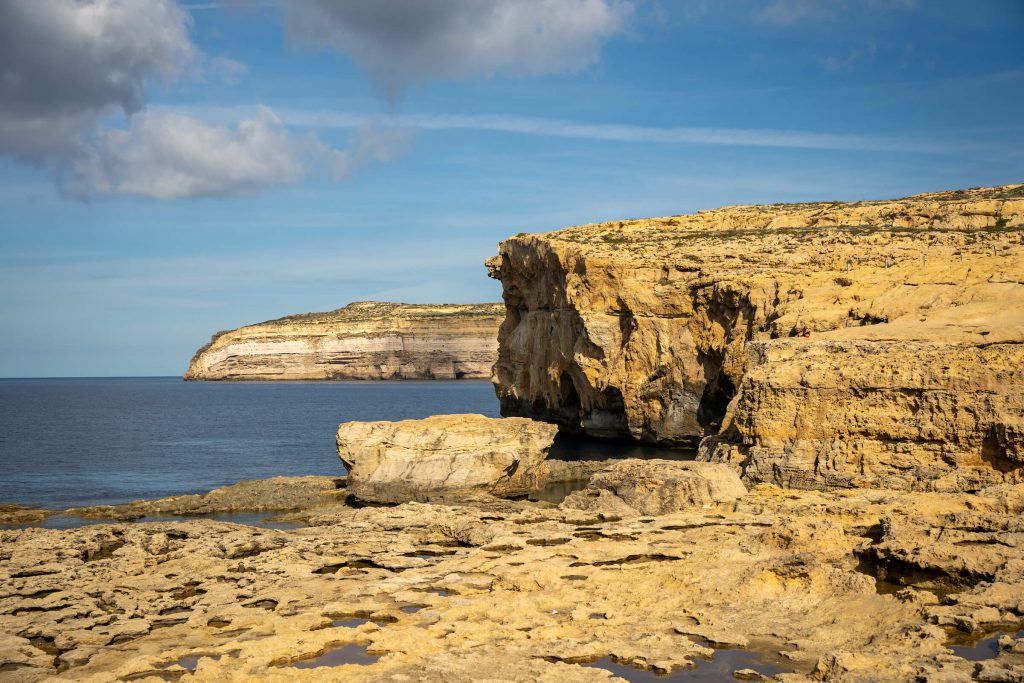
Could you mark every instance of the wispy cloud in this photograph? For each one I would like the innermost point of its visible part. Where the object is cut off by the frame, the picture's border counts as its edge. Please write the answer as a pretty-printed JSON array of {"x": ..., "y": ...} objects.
[
  {"x": 789, "y": 12},
  {"x": 606, "y": 132}
]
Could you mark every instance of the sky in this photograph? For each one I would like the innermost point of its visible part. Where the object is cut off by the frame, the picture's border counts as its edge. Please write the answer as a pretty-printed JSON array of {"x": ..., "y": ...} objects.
[{"x": 169, "y": 168}]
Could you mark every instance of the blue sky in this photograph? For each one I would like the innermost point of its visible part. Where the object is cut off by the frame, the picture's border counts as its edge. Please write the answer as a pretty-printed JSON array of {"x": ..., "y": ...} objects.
[{"x": 247, "y": 160}]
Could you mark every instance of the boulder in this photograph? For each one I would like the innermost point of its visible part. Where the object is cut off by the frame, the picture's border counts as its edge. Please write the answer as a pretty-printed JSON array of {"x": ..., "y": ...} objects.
[
  {"x": 657, "y": 487},
  {"x": 395, "y": 462}
]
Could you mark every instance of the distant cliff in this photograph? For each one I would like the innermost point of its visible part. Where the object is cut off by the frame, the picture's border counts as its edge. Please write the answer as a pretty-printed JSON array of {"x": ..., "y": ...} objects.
[
  {"x": 813, "y": 345},
  {"x": 364, "y": 340}
]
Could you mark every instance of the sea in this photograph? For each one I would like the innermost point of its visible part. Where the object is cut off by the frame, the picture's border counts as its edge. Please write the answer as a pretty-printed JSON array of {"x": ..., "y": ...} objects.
[
  {"x": 78, "y": 442},
  {"x": 100, "y": 441}
]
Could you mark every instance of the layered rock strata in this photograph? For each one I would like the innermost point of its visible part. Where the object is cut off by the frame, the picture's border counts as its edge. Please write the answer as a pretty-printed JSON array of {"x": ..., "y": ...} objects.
[
  {"x": 785, "y": 584},
  {"x": 394, "y": 462},
  {"x": 812, "y": 345},
  {"x": 364, "y": 340}
]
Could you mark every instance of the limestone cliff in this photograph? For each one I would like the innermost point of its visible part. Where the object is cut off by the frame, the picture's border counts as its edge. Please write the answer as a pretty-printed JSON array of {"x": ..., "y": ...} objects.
[
  {"x": 813, "y": 345},
  {"x": 364, "y": 340}
]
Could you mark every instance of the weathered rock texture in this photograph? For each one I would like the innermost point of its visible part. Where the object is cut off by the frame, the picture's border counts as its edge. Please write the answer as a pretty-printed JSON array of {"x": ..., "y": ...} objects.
[
  {"x": 394, "y": 462},
  {"x": 657, "y": 487},
  {"x": 364, "y": 340},
  {"x": 817, "y": 345},
  {"x": 257, "y": 495},
  {"x": 517, "y": 591}
]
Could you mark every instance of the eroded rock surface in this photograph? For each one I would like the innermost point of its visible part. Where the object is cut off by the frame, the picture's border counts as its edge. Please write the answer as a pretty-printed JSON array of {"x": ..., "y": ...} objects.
[
  {"x": 12, "y": 514},
  {"x": 818, "y": 345},
  {"x": 392, "y": 462},
  {"x": 256, "y": 495},
  {"x": 364, "y": 340},
  {"x": 657, "y": 487},
  {"x": 510, "y": 590}
]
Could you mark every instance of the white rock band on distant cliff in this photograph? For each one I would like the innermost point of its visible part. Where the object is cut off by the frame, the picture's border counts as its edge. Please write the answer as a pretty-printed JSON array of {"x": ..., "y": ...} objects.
[
  {"x": 823, "y": 345},
  {"x": 364, "y": 340}
]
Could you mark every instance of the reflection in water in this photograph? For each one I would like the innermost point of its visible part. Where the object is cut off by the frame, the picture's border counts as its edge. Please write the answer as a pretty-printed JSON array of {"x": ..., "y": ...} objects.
[
  {"x": 556, "y": 491},
  {"x": 720, "y": 668},
  {"x": 348, "y": 654},
  {"x": 574, "y": 448},
  {"x": 985, "y": 648}
]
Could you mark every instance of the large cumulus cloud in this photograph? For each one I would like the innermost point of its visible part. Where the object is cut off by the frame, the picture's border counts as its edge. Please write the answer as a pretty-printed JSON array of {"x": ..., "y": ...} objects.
[
  {"x": 65, "y": 63},
  {"x": 406, "y": 41},
  {"x": 74, "y": 76},
  {"x": 165, "y": 155},
  {"x": 70, "y": 68}
]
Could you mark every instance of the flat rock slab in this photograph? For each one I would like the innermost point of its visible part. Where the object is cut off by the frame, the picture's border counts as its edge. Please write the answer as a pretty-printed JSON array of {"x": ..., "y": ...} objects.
[
  {"x": 395, "y": 462},
  {"x": 657, "y": 487}
]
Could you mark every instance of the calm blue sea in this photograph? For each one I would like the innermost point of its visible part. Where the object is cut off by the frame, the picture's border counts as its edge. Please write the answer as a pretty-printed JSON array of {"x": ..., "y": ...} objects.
[{"x": 74, "y": 442}]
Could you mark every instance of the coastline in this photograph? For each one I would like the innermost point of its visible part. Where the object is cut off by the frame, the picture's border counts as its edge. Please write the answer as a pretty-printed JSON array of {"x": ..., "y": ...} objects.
[{"x": 437, "y": 589}]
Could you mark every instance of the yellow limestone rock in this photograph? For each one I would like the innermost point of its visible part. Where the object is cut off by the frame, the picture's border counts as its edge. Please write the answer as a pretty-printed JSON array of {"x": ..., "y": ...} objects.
[
  {"x": 364, "y": 340},
  {"x": 395, "y": 462},
  {"x": 518, "y": 591},
  {"x": 811, "y": 345},
  {"x": 656, "y": 487}
]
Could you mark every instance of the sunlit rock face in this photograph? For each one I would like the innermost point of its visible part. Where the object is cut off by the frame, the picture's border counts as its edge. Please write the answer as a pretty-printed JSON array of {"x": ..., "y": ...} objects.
[
  {"x": 364, "y": 340},
  {"x": 810, "y": 345},
  {"x": 656, "y": 487},
  {"x": 394, "y": 462}
]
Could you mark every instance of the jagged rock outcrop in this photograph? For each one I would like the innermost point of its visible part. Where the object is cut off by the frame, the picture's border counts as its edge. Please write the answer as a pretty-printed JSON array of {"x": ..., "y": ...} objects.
[
  {"x": 812, "y": 345},
  {"x": 656, "y": 487},
  {"x": 364, "y": 340},
  {"x": 393, "y": 462}
]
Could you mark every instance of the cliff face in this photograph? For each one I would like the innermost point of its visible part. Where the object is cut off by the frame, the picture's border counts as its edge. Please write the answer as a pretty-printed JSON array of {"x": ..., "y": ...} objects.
[
  {"x": 812, "y": 345},
  {"x": 364, "y": 340}
]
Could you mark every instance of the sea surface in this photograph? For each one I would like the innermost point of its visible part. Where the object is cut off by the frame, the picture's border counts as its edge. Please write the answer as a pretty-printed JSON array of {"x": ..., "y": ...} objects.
[{"x": 77, "y": 442}]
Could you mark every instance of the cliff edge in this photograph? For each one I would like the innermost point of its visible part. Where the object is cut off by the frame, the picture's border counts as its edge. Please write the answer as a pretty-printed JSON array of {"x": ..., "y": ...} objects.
[
  {"x": 364, "y": 340},
  {"x": 820, "y": 345}
]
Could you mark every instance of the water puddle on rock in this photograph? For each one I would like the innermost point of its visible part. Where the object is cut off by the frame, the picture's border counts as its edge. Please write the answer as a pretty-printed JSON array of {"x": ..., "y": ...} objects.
[
  {"x": 347, "y": 654},
  {"x": 412, "y": 609},
  {"x": 190, "y": 662},
  {"x": 726, "y": 665},
  {"x": 556, "y": 491},
  {"x": 978, "y": 648}
]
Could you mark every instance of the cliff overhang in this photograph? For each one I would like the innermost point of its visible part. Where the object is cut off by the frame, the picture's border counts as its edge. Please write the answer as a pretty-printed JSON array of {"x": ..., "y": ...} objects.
[{"x": 811, "y": 345}]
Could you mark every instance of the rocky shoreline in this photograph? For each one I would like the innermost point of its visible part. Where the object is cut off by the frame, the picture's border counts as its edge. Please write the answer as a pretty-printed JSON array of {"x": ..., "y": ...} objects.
[
  {"x": 862, "y": 585},
  {"x": 850, "y": 372}
]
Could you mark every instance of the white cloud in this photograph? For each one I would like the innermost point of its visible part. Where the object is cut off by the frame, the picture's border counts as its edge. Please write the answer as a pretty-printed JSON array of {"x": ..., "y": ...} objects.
[
  {"x": 165, "y": 155},
  {"x": 66, "y": 63},
  {"x": 529, "y": 125},
  {"x": 370, "y": 145},
  {"x": 407, "y": 41},
  {"x": 227, "y": 70}
]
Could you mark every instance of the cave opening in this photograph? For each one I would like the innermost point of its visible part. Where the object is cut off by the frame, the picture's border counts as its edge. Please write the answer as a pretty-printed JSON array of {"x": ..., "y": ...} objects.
[
  {"x": 569, "y": 406},
  {"x": 713, "y": 403}
]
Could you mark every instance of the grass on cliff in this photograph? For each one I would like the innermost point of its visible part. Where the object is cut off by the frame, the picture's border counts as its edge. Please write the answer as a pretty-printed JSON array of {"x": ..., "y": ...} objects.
[{"x": 684, "y": 238}]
